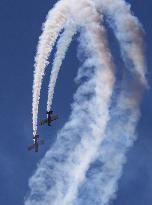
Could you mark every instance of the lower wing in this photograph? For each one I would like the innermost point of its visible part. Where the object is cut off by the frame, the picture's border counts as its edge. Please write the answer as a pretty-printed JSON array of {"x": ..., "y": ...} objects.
[
  {"x": 54, "y": 117},
  {"x": 43, "y": 122},
  {"x": 31, "y": 147},
  {"x": 41, "y": 142}
]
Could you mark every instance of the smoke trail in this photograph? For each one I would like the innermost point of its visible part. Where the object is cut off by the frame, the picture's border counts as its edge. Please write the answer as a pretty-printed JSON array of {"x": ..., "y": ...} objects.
[
  {"x": 129, "y": 33},
  {"x": 63, "y": 169},
  {"x": 51, "y": 28},
  {"x": 99, "y": 117},
  {"x": 101, "y": 183},
  {"x": 62, "y": 47}
]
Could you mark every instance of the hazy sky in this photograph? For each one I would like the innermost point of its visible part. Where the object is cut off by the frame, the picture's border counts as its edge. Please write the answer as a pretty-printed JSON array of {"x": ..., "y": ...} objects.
[{"x": 20, "y": 27}]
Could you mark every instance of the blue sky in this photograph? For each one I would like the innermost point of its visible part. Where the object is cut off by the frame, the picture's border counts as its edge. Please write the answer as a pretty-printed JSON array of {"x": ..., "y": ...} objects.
[{"x": 20, "y": 27}]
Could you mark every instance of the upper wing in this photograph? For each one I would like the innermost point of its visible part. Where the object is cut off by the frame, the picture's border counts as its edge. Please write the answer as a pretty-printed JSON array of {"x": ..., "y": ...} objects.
[
  {"x": 31, "y": 147},
  {"x": 54, "y": 117},
  {"x": 43, "y": 122}
]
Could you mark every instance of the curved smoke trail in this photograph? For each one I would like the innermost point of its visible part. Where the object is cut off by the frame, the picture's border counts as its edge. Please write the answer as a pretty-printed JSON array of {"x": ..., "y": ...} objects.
[
  {"x": 76, "y": 139},
  {"x": 101, "y": 183},
  {"x": 129, "y": 33},
  {"x": 54, "y": 23},
  {"x": 62, "y": 170},
  {"x": 66, "y": 172},
  {"x": 62, "y": 47}
]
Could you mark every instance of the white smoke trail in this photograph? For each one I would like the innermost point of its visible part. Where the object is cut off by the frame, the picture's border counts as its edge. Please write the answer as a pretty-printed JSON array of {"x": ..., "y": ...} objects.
[
  {"x": 54, "y": 23},
  {"x": 62, "y": 47},
  {"x": 63, "y": 169},
  {"x": 97, "y": 112},
  {"x": 101, "y": 183},
  {"x": 129, "y": 33},
  {"x": 100, "y": 186}
]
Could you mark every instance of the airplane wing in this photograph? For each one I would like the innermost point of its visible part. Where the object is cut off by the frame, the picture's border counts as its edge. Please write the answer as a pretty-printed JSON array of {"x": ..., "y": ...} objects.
[
  {"x": 41, "y": 142},
  {"x": 31, "y": 147},
  {"x": 43, "y": 122},
  {"x": 54, "y": 117}
]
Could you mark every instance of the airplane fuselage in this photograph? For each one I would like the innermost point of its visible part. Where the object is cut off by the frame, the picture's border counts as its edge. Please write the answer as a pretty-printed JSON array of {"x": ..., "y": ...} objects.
[
  {"x": 49, "y": 120},
  {"x": 36, "y": 144}
]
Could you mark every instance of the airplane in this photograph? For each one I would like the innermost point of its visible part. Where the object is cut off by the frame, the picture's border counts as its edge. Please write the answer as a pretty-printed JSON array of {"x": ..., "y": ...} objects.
[
  {"x": 50, "y": 118},
  {"x": 36, "y": 144}
]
